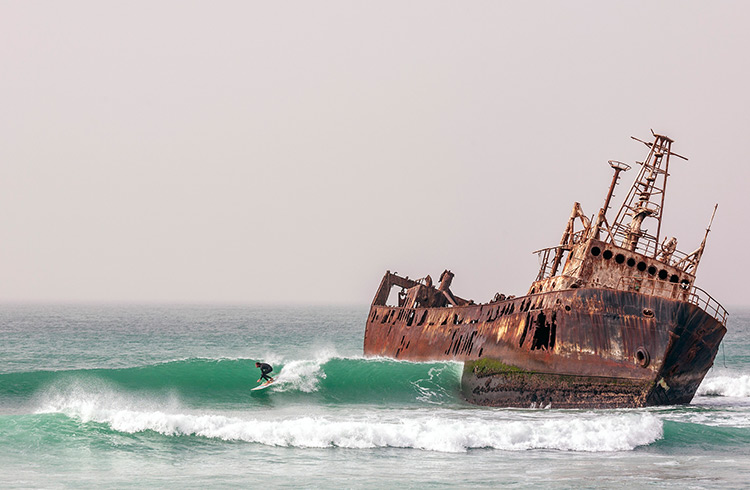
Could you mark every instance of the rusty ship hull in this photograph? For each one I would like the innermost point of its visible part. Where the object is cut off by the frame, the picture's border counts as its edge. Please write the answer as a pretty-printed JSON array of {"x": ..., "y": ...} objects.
[
  {"x": 579, "y": 348},
  {"x": 612, "y": 320}
]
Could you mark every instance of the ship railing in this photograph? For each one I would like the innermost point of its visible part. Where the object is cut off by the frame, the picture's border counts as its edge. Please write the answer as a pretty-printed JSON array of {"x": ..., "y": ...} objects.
[
  {"x": 544, "y": 261},
  {"x": 648, "y": 246},
  {"x": 692, "y": 294},
  {"x": 702, "y": 299}
]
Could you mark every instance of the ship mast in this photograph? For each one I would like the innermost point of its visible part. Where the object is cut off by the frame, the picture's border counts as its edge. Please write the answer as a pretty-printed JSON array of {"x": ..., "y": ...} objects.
[
  {"x": 601, "y": 218},
  {"x": 645, "y": 200}
]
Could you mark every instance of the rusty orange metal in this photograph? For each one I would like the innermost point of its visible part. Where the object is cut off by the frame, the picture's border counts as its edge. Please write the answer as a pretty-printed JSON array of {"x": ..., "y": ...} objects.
[{"x": 613, "y": 319}]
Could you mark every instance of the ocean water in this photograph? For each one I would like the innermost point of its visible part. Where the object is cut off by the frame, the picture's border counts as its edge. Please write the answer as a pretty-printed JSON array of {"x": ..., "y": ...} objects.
[{"x": 159, "y": 396}]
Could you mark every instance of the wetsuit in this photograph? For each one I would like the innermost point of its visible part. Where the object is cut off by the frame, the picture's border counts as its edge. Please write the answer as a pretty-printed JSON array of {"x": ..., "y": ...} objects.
[{"x": 264, "y": 370}]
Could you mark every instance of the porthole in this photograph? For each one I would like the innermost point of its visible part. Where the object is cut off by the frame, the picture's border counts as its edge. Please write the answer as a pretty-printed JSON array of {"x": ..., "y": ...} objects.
[
  {"x": 642, "y": 357},
  {"x": 631, "y": 262},
  {"x": 595, "y": 251},
  {"x": 685, "y": 284},
  {"x": 674, "y": 278},
  {"x": 607, "y": 254},
  {"x": 652, "y": 270},
  {"x": 648, "y": 312},
  {"x": 619, "y": 258},
  {"x": 641, "y": 266},
  {"x": 663, "y": 275}
]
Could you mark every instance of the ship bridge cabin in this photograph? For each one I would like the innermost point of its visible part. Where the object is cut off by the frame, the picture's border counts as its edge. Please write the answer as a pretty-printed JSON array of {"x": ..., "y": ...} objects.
[{"x": 623, "y": 255}]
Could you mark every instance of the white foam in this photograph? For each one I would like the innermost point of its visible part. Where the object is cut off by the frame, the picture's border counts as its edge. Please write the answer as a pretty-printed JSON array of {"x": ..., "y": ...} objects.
[
  {"x": 444, "y": 431},
  {"x": 737, "y": 386},
  {"x": 300, "y": 375},
  {"x": 725, "y": 418},
  {"x": 87, "y": 399},
  {"x": 305, "y": 374}
]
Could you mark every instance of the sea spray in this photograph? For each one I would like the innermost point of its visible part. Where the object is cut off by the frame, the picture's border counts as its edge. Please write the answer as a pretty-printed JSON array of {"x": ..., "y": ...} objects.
[
  {"x": 302, "y": 375},
  {"x": 85, "y": 399}
]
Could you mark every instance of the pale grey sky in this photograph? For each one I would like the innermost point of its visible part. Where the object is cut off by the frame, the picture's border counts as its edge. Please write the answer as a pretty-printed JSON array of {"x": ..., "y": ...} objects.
[{"x": 293, "y": 151}]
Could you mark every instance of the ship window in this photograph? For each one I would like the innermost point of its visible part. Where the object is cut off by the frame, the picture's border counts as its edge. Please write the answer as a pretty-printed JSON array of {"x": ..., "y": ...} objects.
[
  {"x": 642, "y": 357},
  {"x": 652, "y": 270},
  {"x": 674, "y": 278},
  {"x": 685, "y": 284},
  {"x": 607, "y": 254},
  {"x": 595, "y": 251},
  {"x": 619, "y": 258},
  {"x": 663, "y": 275},
  {"x": 631, "y": 262},
  {"x": 641, "y": 266}
]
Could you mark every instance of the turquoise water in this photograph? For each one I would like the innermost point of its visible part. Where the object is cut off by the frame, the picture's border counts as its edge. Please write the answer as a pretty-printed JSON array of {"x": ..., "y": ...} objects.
[{"x": 159, "y": 396}]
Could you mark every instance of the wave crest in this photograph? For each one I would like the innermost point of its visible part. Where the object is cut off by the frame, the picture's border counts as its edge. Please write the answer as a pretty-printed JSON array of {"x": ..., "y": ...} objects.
[
  {"x": 730, "y": 386},
  {"x": 443, "y": 431},
  {"x": 228, "y": 381},
  {"x": 304, "y": 375}
]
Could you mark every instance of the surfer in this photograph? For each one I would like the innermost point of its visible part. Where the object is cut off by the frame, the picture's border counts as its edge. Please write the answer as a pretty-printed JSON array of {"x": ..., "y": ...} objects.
[{"x": 264, "y": 370}]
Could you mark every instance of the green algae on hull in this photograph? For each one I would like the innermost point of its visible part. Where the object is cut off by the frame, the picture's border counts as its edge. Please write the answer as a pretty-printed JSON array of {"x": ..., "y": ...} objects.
[{"x": 488, "y": 367}]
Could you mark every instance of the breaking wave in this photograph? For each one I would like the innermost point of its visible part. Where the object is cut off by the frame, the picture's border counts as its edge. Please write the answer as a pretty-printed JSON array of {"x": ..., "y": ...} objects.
[
  {"x": 724, "y": 385},
  {"x": 203, "y": 382},
  {"x": 435, "y": 430}
]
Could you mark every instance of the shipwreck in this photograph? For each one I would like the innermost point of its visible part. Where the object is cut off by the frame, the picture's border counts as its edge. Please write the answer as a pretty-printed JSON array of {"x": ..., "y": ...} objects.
[{"x": 613, "y": 318}]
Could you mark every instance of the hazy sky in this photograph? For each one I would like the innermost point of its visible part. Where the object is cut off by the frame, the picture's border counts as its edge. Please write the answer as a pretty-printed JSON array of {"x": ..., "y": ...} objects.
[{"x": 293, "y": 151}]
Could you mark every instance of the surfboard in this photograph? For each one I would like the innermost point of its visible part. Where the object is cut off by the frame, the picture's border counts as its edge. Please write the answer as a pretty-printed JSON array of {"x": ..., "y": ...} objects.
[{"x": 264, "y": 385}]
